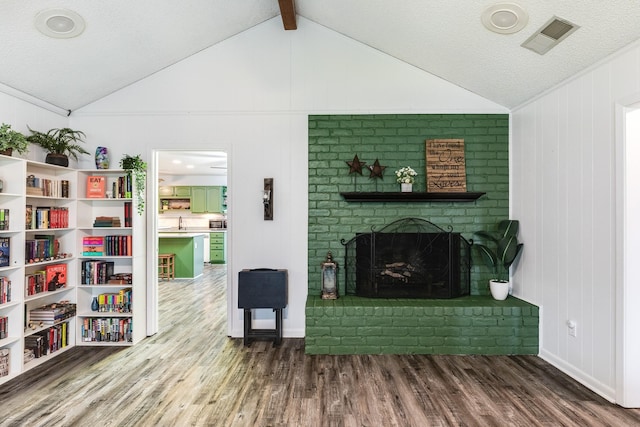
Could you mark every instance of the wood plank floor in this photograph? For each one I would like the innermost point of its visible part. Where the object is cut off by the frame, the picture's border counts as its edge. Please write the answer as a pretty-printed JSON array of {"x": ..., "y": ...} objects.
[{"x": 192, "y": 374}]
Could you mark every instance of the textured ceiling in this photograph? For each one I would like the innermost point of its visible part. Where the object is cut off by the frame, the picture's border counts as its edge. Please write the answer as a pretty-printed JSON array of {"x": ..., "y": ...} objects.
[{"x": 126, "y": 41}]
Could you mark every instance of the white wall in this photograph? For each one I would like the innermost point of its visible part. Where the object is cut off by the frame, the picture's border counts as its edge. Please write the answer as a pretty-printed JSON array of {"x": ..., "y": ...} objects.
[
  {"x": 251, "y": 96},
  {"x": 563, "y": 191},
  {"x": 20, "y": 114}
]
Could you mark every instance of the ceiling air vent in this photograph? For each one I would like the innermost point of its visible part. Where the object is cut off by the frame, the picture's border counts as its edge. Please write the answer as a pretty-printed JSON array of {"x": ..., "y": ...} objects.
[{"x": 552, "y": 32}]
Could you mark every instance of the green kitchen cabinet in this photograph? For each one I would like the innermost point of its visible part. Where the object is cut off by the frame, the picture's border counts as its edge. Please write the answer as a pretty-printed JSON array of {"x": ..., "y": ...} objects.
[
  {"x": 214, "y": 199},
  {"x": 174, "y": 191},
  {"x": 198, "y": 199},
  {"x": 216, "y": 247},
  {"x": 206, "y": 199}
]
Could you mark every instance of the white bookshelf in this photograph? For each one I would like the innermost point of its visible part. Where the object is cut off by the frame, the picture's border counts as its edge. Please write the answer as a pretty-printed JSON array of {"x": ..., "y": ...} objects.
[{"x": 81, "y": 212}]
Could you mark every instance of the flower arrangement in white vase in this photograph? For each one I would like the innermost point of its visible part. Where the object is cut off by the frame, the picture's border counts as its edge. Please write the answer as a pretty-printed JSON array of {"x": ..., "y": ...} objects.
[{"x": 406, "y": 176}]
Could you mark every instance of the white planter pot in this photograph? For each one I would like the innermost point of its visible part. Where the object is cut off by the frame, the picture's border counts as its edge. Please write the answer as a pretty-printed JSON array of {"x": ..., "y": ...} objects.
[
  {"x": 406, "y": 188},
  {"x": 499, "y": 289}
]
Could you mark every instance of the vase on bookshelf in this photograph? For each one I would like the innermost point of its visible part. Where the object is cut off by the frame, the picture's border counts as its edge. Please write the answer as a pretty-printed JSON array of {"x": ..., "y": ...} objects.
[
  {"x": 102, "y": 158},
  {"x": 94, "y": 304}
]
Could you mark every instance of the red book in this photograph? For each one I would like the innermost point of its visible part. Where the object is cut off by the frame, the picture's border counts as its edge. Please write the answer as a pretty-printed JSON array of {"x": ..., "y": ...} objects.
[
  {"x": 96, "y": 187},
  {"x": 56, "y": 276}
]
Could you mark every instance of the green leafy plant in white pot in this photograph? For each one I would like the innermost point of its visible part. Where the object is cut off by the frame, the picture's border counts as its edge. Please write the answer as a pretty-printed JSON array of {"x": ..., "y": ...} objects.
[{"x": 499, "y": 250}]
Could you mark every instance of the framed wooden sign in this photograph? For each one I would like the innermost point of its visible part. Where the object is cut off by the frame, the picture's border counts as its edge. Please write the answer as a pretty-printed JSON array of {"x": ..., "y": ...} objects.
[{"x": 446, "y": 167}]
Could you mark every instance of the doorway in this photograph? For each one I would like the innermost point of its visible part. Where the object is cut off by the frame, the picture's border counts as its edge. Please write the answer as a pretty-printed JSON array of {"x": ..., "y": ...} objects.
[
  {"x": 628, "y": 250},
  {"x": 184, "y": 169}
]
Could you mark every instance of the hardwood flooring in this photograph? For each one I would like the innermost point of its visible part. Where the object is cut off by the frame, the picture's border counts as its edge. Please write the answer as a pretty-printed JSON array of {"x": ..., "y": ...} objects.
[{"x": 192, "y": 374}]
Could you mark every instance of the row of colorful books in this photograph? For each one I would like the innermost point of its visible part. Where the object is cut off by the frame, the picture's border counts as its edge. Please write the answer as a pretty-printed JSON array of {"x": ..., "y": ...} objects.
[
  {"x": 43, "y": 247},
  {"x": 5, "y": 290},
  {"x": 115, "y": 302},
  {"x": 46, "y": 217},
  {"x": 107, "y": 246},
  {"x": 96, "y": 272},
  {"x": 4, "y": 219},
  {"x": 47, "y": 187},
  {"x": 53, "y": 277},
  {"x": 107, "y": 329},
  {"x": 47, "y": 341},
  {"x": 97, "y": 187}
]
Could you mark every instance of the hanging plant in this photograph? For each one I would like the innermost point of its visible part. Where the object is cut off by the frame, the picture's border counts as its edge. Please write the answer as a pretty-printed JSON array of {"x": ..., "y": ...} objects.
[{"x": 134, "y": 165}]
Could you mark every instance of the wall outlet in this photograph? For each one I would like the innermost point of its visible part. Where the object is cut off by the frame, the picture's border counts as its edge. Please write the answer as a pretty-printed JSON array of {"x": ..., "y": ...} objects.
[{"x": 573, "y": 328}]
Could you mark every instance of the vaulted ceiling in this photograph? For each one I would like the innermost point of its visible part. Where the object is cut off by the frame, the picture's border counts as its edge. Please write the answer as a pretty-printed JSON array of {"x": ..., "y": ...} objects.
[{"x": 125, "y": 41}]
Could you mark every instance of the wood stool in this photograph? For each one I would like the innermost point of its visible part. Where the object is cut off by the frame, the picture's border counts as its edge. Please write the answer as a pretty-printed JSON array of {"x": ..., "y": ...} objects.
[{"x": 166, "y": 266}]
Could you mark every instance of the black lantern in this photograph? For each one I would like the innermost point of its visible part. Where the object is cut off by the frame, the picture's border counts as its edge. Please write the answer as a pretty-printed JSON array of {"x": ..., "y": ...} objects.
[{"x": 329, "y": 278}]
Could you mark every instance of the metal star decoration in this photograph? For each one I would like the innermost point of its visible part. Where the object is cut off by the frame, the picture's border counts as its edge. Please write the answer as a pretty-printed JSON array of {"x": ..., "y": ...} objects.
[
  {"x": 376, "y": 170},
  {"x": 356, "y": 165}
]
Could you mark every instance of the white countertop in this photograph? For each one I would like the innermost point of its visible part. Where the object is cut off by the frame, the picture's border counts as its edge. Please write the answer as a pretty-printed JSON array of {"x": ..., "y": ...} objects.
[
  {"x": 191, "y": 230},
  {"x": 180, "y": 235}
]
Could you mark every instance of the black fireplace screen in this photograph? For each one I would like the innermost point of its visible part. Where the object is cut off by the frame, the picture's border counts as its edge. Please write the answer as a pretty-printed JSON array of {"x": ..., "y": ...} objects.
[{"x": 410, "y": 258}]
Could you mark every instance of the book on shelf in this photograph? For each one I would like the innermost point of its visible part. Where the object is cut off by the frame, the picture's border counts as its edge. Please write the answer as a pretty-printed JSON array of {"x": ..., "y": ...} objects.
[
  {"x": 56, "y": 276},
  {"x": 96, "y": 187},
  {"x": 121, "y": 279},
  {"x": 4, "y": 327},
  {"x": 29, "y": 219},
  {"x": 107, "y": 221},
  {"x": 93, "y": 246},
  {"x": 50, "y": 314},
  {"x": 35, "y": 282},
  {"x": 5, "y": 251},
  {"x": 128, "y": 214},
  {"x": 5, "y": 290},
  {"x": 4, "y": 362},
  {"x": 43, "y": 248},
  {"x": 4, "y": 219}
]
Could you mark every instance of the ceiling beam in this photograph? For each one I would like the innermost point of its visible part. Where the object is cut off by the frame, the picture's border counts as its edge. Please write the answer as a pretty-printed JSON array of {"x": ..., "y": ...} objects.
[{"x": 288, "y": 12}]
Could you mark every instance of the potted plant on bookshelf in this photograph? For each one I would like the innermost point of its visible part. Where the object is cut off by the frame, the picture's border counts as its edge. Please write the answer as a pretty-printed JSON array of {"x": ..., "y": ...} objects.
[
  {"x": 134, "y": 165},
  {"x": 60, "y": 144},
  {"x": 499, "y": 252},
  {"x": 12, "y": 140}
]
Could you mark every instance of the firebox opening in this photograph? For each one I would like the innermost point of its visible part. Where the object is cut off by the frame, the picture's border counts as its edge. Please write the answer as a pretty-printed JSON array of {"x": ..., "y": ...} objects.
[{"x": 410, "y": 258}]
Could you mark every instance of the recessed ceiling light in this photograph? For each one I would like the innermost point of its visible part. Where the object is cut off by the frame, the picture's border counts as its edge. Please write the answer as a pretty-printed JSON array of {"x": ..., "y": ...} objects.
[
  {"x": 176, "y": 161},
  {"x": 59, "y": 23},
  {"x": 190, "y": 166},
  {"x": 505, "y": 18}
]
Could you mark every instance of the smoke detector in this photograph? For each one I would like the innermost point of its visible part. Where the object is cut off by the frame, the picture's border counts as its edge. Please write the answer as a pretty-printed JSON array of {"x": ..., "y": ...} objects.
[
  {"x": 505, "y": 18},
  {"x": 59, "y": 23},
  {"x": 550, "y": 34}
]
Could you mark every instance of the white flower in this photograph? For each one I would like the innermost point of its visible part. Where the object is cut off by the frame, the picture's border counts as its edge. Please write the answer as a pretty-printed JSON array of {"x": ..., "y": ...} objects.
[{"x": 406, "y": 175}]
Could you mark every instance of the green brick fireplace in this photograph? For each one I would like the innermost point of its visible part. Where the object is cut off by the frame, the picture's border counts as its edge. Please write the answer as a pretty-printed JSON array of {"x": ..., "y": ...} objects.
[{"x": 351, "y": 325}]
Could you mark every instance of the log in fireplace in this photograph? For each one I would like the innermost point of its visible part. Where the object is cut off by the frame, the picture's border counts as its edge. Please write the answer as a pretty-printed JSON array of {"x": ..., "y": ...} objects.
[{"x": 409, "y": 258}]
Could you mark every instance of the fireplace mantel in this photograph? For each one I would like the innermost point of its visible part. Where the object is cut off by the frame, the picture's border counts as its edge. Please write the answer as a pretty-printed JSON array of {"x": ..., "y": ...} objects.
[{"x": 360, "y": 196}]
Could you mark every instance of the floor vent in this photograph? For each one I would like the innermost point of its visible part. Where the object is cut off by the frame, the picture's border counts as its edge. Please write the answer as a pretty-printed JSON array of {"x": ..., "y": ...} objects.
[{"x": 552, "y": 32}]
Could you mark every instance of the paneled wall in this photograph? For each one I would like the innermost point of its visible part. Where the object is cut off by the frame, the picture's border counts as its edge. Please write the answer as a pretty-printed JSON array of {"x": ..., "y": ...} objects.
[{"x": 563, "y": 191}]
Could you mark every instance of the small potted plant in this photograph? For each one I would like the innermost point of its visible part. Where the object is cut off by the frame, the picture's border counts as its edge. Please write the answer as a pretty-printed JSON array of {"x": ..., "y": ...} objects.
[
  {"x": 12, "y": 140},
  {"x": 60, "y": 144},
  {"x": 406, "y": 176},
  {"x": 499, "y": 252},
  {"x": 134, "y": 165}
]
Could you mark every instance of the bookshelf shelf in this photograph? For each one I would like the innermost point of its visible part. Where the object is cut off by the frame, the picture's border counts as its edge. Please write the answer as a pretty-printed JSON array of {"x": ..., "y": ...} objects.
[{"x": 53, "y": 201}]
